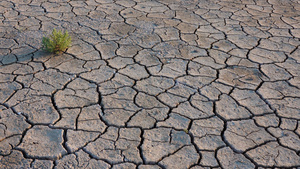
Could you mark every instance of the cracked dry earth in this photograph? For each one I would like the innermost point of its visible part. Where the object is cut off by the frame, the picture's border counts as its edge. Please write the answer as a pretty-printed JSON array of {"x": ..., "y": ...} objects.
[{"x": 161, "y": 84}]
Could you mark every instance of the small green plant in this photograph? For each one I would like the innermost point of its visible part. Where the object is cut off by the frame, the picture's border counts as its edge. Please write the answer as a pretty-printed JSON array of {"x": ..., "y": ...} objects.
[{"x": 57, "y": 42}]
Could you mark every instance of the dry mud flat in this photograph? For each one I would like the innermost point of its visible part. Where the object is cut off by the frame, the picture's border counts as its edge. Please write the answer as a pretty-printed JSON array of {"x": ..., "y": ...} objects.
[{"x": 163, "y": 84}]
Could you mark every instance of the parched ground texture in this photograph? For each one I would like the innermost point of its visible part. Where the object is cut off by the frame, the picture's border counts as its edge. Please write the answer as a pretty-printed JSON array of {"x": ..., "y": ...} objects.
[{"x": 151, "y": 84}]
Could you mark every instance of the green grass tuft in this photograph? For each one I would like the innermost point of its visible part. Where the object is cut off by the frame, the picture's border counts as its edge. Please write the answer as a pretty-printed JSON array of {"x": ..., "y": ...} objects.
[{"x": 56, "y": 42}]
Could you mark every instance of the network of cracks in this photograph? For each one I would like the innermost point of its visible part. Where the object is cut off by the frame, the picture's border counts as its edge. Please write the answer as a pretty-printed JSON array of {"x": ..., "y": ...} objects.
[{"x": 151, "y": 84}]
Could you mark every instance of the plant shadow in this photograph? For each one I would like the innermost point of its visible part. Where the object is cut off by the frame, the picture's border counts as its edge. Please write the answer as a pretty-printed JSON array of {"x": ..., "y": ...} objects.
[{"x": 24, "y": 55}]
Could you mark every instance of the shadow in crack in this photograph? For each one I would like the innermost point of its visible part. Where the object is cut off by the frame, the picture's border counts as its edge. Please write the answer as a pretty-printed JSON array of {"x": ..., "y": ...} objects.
[
  {"x": 23, "y": 54},
  {"x": 20, "y": 46}
]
